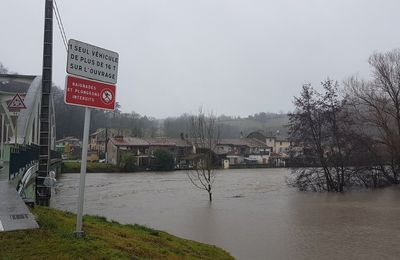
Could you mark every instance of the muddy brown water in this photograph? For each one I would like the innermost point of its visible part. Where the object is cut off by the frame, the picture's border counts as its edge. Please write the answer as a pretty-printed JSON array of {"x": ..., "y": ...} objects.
[{"x": 254, "y": 215}]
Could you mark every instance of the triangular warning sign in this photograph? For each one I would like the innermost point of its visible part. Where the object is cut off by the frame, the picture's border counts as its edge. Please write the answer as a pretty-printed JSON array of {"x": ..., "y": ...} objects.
[{"x": 16, "y": 102}]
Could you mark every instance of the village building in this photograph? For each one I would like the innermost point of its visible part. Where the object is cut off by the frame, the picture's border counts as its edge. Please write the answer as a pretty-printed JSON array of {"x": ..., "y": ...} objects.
[
  {"x": 119, "y": 146},
  {"x": 97, "y": 140},
  {"x": 144, "y": 148},
  {"x": 278, "y": 142},
  {"x": 70, "y": 147},
  {"x": 280, "y": 146},
  {"x": 243, "y": 151},
  {"x": 240, "y": 151}
]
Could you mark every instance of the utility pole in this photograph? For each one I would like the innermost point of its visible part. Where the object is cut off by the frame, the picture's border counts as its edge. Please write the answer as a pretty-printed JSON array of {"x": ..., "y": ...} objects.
[{"x": 43, "y": 192}]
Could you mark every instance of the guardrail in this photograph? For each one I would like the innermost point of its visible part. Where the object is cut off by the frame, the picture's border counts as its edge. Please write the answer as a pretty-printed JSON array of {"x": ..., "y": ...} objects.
[{"x": 21, "y": 158}]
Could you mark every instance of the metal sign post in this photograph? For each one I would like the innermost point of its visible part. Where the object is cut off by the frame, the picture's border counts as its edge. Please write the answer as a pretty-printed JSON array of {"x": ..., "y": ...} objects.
[
  {"x": 2, "y": 137},
  {"x": 79, "y": 232},
  {"x": 97, "y": 69}
]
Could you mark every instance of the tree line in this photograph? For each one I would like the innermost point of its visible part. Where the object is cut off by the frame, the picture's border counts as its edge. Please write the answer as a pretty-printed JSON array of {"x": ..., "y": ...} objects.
[
  {"x": 69, "y": 119},
  {"x": 230, "y": 126},
  {"x": 348, "y": 135}
]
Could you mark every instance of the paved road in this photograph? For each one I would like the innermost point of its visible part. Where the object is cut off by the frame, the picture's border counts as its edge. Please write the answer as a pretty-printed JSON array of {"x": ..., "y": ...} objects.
[{"x": 14, "y": 214}]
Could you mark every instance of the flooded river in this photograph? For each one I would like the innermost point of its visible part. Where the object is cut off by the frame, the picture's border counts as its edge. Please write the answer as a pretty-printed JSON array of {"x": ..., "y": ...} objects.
[{"x": 254, "y": 214}]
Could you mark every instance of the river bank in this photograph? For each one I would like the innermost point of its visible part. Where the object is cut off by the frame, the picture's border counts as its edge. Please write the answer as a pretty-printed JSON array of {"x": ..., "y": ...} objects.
[
  {"x": 96, "y": 167},
  {"x": 104, "y": 240}
]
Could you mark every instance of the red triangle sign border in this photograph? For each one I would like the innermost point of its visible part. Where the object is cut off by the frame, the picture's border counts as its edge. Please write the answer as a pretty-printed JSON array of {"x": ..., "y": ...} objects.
[{"x": 16, "y": 102}]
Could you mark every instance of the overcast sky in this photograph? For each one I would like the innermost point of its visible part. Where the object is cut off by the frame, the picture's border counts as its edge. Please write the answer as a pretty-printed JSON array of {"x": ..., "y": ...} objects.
[{"x": 234, "y": 57}]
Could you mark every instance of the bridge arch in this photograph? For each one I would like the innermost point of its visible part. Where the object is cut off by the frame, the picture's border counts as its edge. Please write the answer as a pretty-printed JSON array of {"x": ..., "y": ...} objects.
[{"x": 24, "y": 129}]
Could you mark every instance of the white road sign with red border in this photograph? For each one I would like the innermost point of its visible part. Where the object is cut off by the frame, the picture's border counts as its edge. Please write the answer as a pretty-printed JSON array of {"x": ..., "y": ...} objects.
[{"x": 89, "y": 93}]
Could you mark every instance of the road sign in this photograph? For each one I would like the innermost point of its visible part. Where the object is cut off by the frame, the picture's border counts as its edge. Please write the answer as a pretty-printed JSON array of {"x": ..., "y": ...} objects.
[
  {"x": 95, "y": 63},
  {"x": 16, "y": 103},
  {"x": 89, "y": 93},
  {"x": 92, "y": 62}
]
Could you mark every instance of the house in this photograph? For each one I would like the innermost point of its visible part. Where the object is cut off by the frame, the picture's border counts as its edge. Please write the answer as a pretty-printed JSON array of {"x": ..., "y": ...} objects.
[
  {"x": 119, "y": 146},
  {"x": 144, "y": 148},
  {"x": 280, "y": 145},
  {"x": 278, "y": 142},
  {"x": 278, "y": 159},
  {"x": 72, "y": 147},
  {"x": 186, "y": 151},
  {"x": 97, "y": 140},
  {"x": 243, "y": 151},
  {"x": 178, "y": 147}
]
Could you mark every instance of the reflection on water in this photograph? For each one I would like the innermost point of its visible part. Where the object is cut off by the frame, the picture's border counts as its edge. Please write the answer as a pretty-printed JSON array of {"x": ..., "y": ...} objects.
[{"x": 254, "y": 214}]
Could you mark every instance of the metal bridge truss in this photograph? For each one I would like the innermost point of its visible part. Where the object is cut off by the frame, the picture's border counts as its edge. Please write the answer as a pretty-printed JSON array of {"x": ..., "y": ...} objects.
[{"x": 20, "y": 136}]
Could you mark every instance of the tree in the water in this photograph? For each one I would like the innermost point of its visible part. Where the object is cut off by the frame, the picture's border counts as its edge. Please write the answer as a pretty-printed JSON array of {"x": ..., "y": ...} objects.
[
  {"x": 323, "y": 140},
  {"x": 204, "y": 133},
  {"x": 377, "y": 107}
]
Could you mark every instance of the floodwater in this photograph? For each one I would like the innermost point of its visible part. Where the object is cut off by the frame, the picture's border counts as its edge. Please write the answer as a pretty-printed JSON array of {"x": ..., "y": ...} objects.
[{"x": 254, "y": 214}]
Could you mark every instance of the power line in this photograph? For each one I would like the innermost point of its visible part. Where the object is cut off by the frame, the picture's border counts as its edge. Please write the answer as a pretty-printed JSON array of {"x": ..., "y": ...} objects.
[{"x": 60, "y": 24}]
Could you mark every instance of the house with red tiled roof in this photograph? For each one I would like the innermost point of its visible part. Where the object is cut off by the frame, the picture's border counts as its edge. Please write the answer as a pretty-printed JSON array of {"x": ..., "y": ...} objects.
[
  {"x": 144, "y": 148},
  {"x": 177, "y": 146},
  {"x": 118, "y": 146}
]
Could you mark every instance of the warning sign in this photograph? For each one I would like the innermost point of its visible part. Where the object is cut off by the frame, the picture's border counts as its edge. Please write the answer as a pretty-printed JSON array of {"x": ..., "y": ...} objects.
[
  {"x": 16, "y": 103},
  {"x": 89, "y": 93}
]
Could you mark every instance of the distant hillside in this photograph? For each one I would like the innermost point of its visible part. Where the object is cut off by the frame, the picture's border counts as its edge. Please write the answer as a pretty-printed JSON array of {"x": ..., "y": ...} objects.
[{"x": 232, "y": 127}]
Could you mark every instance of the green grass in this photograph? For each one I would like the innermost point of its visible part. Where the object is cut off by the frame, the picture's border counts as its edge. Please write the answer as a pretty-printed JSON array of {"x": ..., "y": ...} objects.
[
  {"x": 104, "y": 240},
  {"x": 74, "y": 166}
]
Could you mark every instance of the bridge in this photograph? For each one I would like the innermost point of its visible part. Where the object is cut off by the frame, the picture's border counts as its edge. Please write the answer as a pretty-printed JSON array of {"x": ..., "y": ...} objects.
[{"x": 19, "y": 148}]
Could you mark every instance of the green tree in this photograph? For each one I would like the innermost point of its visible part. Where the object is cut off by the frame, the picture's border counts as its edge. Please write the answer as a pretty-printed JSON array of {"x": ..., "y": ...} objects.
[
  {"x": 128, "y": 162},
  {"x": 164, "y": 160}
]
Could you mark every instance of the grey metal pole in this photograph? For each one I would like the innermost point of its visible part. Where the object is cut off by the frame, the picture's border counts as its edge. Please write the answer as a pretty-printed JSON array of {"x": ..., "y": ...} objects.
[
  {"x": 79, "y": 233},
  {"x": 15, "y": 131},
  {"x": 7, "y": 134},
  {"x": 2, "y": 136},
  {"x": 43, "y": 192}
]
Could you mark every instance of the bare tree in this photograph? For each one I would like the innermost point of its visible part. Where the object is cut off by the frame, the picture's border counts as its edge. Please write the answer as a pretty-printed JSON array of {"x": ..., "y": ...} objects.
[
  {"x": 204, "y": 133},
  {"x": 321, "y": 132},
  {"x": 377, "y": 105}
]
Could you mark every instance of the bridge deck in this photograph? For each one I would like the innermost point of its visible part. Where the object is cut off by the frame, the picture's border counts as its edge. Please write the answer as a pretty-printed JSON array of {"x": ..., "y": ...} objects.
[{"x": 14, "y": 214}]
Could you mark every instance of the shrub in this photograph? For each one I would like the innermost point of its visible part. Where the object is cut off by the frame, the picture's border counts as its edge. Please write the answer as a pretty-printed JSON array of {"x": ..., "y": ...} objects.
[
  {"x": 128, "y": 162},
  {"x": 164, "y": 161}
]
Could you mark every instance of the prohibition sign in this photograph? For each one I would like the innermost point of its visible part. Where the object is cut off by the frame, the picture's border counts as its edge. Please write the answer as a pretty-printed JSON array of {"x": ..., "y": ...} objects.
[{"x": 107, "y": 96}]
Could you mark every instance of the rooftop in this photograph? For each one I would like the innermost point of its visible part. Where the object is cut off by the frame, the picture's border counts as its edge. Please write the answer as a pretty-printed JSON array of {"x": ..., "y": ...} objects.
[{"x": 15, "y": 83}]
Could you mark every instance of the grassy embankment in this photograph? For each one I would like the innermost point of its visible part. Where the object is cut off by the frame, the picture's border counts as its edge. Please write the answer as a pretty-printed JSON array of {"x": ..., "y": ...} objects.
[{"x": 104, "y": 240}]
